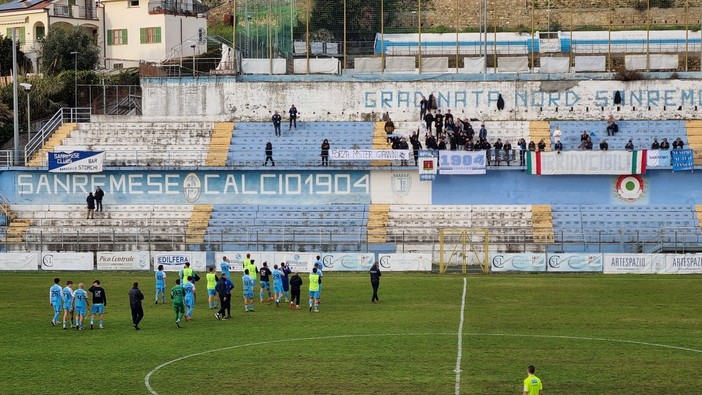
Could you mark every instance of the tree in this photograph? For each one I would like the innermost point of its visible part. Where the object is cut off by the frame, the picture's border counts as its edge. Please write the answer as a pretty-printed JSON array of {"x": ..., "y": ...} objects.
[
  {"x": 6, "y": 57},
  {"x": 57, "y": 46},
  {"x": 362, "y": 18}
]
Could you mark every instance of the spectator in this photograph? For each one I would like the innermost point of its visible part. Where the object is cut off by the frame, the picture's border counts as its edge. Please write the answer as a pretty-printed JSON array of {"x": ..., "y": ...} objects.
[
  {"x": 612, "y": 127},
  {"x": 655, "y": 144},
  {"x": 498, "y": 151},
  {"x": 665, "y": 144},
  {"x": 498, "y": 144},
  {"x": 293, "y": 117},
  {"x": 470, "y": 133},
  {"x": 521, "y": 143},
  {"x": 604, "y": 146},
  {"x": 485, "y": 145},
  {"x": 482, "y": 134},
  {"x": 325, "y": 152},
  {"x": 269, "y": 154},
  {"x": 91, "y": 205},
  {"x": 452, "y": 139},
  {"x": 438, "y": 122},
  {"x": 429, "y": 120},
  {"x": 402, "y": 145},
  {"x": 448, "y": 121},
  {"x": 442, "y": 143},
  {"x": 542, "y": 145},
  {"x": 430, "y": 141},
  {"x": 99, "y": 194},
  {"x": 432, "y": 102},
  {"x": 558, "y": 146},
  {"x": 461, "y": 140},
  {"x": 583, "y": 137},
  {"x": 629, "y": 146},
  {"x": 588, "y": 143},
  {"x": 678, "y": 144},
  {"x": 557, "y": 135},
  {"x": 423, "y": 106},
  {"x": 469, "y": 145},
  {"x": 276, "y": 118},
  {"x": 416, "y": 146},
  {"x": 508, "y": 151},
  {"x": 532, "y": 146}
]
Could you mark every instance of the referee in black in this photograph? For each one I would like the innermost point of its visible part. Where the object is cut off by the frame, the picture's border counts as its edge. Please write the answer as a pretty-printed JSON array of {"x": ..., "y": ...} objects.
[{"x": 375, "y": 281}]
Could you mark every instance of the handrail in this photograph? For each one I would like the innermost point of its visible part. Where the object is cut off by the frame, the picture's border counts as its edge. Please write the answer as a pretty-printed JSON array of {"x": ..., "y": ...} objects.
[
  {"x": 63, "y": 115},
  {"x": 4, "y": 206}
]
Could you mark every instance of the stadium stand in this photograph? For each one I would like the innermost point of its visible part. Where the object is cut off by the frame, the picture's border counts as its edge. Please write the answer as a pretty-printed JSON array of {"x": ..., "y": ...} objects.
[
  {"x": 298, "y": 147},
  {"x": 694, "y": 138},
  {"x": 642, "y": 133},
  {"x": 118, "y": 228},
  {"x": 610, "y": 227},
  {"x": 289, "y": 227},
  {"x": 143, "y": 143}
]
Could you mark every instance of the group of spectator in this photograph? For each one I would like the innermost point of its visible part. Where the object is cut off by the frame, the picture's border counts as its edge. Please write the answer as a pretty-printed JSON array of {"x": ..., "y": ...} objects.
[{"x": 586, "y": 143}]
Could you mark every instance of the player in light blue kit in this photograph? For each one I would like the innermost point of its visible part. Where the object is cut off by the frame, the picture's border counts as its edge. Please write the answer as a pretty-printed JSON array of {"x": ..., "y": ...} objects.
[
  {"x": 224, "y": 266},
  {"x": 248, "y": 287},
  {"x": 67, "y": 297},
  {"x": 80, "y": 305},
  {"x": 55, "y": 300},
  {"x": 161, "y": 284},
  {"x": 189, "y": 300},
  {"x": 277, "y": 284}
]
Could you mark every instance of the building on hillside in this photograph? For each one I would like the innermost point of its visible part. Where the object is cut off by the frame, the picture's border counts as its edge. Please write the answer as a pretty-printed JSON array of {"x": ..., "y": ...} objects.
[
  {"x": 126, "y": 31},
  {"x": 34, "y": 18},
  {"x": 152, "y": 31}
]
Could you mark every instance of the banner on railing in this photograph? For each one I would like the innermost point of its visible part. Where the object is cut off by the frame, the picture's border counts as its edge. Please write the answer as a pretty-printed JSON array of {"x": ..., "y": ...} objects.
[
  {"x": 67, "y": 261},
  {"x": 428, "y": 165},
  {"x": 682, "y": 264},
  {"x": 565, "y": 263},
  {"x": 587, "y": 162},
  {"x": 517, "y": 262},
  {"x": 657, "y": 158},
  {"x": 124, "y": 260},
  {"x": 76, "y": 162},
  {"x": 173, "y": 261},
  {"x": 19, "y": 261},
  {"x": 351, "y": 262},
  {"x": 631, "y": 263},
  {"x": 369, "y": 154},
  {"x": 682, "y": 159},
  {"x": 405, "y": 262},
  {"x": 462, "y": 162}
]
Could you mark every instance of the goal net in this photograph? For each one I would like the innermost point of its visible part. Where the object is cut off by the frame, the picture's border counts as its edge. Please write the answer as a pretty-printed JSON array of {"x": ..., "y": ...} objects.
[{"x": 466, "y": 249}]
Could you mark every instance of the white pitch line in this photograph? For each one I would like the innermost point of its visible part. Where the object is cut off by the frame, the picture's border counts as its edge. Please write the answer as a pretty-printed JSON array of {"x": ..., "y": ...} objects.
[{"x": 459, "y": 357}]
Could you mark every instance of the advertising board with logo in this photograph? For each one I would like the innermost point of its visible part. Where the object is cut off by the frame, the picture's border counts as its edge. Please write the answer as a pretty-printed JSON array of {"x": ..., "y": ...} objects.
[
  {"x": 631, "y": 263},
  {"x": 517, "y": 262},
  {"x": 19, "y": 261},
  {"x": 124, "y": 260},
  {"x": 174, "y": 261},
  {"x": 404, "y": 262},
  {"x": 350, "y": 262},
  {"x": 67, "y": 261},
  {"x": 682, "y": 264},
  {"x": 561, "y": 263}
]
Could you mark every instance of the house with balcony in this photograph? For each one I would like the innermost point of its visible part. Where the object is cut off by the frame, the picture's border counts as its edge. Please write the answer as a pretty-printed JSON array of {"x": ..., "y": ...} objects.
[
  {"x": 126, "y": 31},
  {"x": 153, "y": 31},
  {"x": 34, "y": 18}
]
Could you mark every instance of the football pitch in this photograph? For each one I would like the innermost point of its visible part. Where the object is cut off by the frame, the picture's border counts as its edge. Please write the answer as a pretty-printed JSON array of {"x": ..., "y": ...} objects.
[{"x": 586, "y": 334}]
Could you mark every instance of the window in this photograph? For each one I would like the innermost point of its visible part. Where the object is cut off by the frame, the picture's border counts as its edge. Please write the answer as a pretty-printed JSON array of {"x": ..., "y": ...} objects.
[
  {"x": 150, "y": 35},
  {"x": 40, "y": 32},
  {"x": 117, "y": 37},
  {"x": 20, "y": 34},
  {"x": 134, "y": 3}
]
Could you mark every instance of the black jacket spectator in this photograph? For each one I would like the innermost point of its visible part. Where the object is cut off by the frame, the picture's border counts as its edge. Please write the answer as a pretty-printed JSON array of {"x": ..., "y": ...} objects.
[
  {"x": 629, "y": 146},
  {"x": 678, "y": 144},
  {"x": 295, "y": 283},
  {"x": 532, "y": 146},
  {"x": 542, "y": 145},
  {"x": 655, "y": 144},
  {"x": 604, "y": 146},
  {"x": 325, "y": 152},
  {"x": 665, "y": 144},
  {"x": 429, "y": 120}
]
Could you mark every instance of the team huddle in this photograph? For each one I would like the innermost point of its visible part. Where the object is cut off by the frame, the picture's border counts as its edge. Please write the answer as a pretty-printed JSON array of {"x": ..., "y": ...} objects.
[
  {"x": 75, "y": 303},
  {"x": 286, "y": 287}
]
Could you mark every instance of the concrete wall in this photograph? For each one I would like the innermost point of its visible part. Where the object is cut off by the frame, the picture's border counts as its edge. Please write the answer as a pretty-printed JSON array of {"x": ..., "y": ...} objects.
[{"x": 227, "y": 99}]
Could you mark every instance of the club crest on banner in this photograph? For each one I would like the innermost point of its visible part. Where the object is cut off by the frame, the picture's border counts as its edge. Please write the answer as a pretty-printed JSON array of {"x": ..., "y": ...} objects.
[
  {"x": 630, "y": 188},
  {"x": 401, "y": 184},
  {"x": 192, "y": 187}
]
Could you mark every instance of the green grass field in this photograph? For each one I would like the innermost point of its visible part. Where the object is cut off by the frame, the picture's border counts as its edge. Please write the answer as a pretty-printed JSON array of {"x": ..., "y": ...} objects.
[{"x": 584, "y": 333}]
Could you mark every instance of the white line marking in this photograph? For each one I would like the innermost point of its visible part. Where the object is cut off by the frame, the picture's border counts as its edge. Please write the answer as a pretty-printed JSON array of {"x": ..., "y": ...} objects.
[
  {"x": 459, "y": 357},
  {"x": 151, "y": 390}
]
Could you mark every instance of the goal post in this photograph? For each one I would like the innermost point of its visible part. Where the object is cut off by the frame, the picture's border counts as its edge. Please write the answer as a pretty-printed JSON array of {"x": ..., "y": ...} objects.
[{"x": 464, "y": 248}]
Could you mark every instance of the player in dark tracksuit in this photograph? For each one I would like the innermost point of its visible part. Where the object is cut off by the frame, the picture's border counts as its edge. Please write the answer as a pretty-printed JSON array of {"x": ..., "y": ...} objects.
[
  {"x": 295, "y": 284},
  {"x": 375, "y": 281}
]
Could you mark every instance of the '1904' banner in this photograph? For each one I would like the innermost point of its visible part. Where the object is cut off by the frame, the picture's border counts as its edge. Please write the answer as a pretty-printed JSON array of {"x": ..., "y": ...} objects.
[
  {"x": 76, "y": 162},
  {"x": 461, "y": 162}
]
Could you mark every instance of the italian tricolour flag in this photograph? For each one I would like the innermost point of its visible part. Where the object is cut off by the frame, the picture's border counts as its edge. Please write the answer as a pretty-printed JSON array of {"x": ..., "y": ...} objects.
[{"x": 587, "y": 162}]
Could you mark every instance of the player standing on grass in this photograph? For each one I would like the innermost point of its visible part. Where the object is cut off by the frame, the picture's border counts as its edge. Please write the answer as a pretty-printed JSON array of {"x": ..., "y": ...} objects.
[
  {"x": 318, "y": 265},
  {"x": 211, "y": 287},
  {"x": 55, "y": 300},
  {"x": 277, "y": 284},
  {"x": 315, "y": 280},
  {"x": 67, "y": 296},
  {"x": 186, "y": 272},
  {"x": 189, "y": 288},
  {"x": 224, "y": 266},
  {"x": 80, "y": 305},
  {"x": 248, "y": 287},
  {"x": 265, "y": 274},
  {"x": 161, "y": 284},
  {"x": 99, "y": 302},
  {"x": 177, "y": 293},
  {"x": 532, "y": 384},
  {"x": 295, "y": 285},
  {"x": 286, "y": 280},
  {"x": 224, "y": 288}
]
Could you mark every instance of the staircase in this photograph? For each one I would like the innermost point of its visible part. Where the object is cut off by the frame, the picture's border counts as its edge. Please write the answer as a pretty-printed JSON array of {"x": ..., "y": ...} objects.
[
  {"x": 540, "y": 130},
  {"x": 39, "y": 157},
  {"x": 380, "y": 142},
  {"x": 542, "y": 221},
  {"x": 197, "y": 225},
  {"x": 378, "y": 223},
  {"x": 694, "y": 139},
  {"x": 219, "y": 144}
]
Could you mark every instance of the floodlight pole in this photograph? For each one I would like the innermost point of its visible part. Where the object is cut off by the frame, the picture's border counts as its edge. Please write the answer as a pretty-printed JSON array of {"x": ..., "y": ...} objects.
[{"x": 15, "y": 103}]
